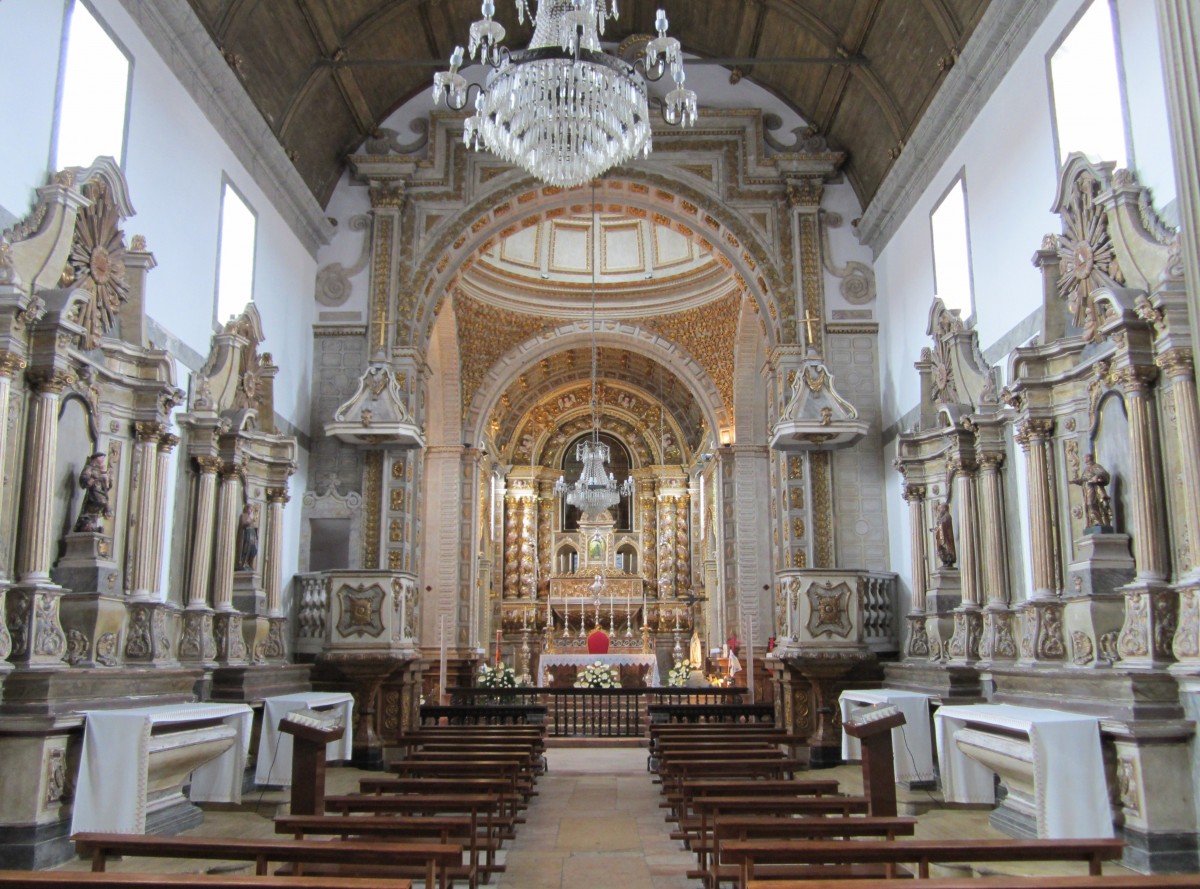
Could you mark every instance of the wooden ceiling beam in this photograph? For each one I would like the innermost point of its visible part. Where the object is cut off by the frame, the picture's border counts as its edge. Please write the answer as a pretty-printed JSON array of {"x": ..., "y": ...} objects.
[
  {"x": 943, "y": 19},
  {"x": 427, "y": 28},
  {"x": 320, "y": 23},
  {"x": 235, "y": 13},
  {"x": 853, "y": 39}
]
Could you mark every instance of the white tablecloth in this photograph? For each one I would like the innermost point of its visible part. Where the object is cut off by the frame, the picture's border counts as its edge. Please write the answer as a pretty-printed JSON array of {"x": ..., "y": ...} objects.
[
  {"x": 1071, "y": 795},
  {"x": 274, "y": 764},
  {"x": 111, "y": 792},
  {"x": 613, "y": 660},
  {"x": 912, "y": 749}
]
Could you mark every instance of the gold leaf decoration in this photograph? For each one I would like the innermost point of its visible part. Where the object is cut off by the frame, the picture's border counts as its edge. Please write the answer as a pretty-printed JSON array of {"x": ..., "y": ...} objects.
[{"x": 97, "y": 263}]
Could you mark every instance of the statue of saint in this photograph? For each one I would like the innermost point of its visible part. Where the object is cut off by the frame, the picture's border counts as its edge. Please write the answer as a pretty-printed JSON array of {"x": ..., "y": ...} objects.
[
  {"x": 943, "y": 535},
  {"x": 247, "y": 538},
  {"x": 696, "y": 652},
  {"x": 1097, "y": 507},
  {"x": 96, "y": 483}
]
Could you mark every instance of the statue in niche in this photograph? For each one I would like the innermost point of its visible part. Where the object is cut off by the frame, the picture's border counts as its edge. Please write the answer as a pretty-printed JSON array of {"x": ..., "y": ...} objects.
[
  {"x": 247, "y": 538},
  {"x": 96, "y": 482},
  {"x": 943, "y": 535},
  {"x": 1097, "y": 506}
]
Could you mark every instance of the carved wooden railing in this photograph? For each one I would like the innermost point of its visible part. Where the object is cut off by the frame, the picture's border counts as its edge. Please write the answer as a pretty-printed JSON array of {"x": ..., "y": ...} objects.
[{"x": 312, "y": 592}]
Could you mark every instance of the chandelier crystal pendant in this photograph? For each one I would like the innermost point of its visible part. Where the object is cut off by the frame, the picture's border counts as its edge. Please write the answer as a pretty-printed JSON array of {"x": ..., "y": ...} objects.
[
  {"x": 563, "y": 109},
  {"x": 596, "y": 489}
]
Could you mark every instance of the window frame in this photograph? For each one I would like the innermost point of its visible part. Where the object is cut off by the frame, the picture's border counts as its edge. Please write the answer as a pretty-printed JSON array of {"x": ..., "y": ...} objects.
[
  {"x": 64, "y": 47},
  {"x": 959, "y": 177},
  {"x": 1122, "y": 86},
  {"x": 228, "y": 183}
]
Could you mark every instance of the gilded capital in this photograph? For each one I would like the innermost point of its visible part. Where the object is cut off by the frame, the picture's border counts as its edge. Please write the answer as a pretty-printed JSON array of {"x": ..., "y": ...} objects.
[
  {"x": 277, "y": 495},
  {"x": 1033, "y": 430},
  {"x": 805, "y": 192},
  {"x": 913, "y": 493},
  {"x": 149, "y": 431},
  {"x": 209, "y": 465},
  {"x": 167, "y": 442},
  {"x": 230, "y": 472},
  {"x": 1135, "y": 379},
  {"x": 1176, "y": 364},
  {"x": 50, "y": 381},
  {"x": 991, "y": 461},
  {"x": 10, "y": 363},
  {"x": 388, "y": 197}
]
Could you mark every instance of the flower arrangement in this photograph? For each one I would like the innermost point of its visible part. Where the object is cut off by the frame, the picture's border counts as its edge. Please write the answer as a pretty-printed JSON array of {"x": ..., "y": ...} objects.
[
  {"x": 598, "y": 675},
  {"x": 678, "y": 675},
  {"x": 501, "y": 676}
]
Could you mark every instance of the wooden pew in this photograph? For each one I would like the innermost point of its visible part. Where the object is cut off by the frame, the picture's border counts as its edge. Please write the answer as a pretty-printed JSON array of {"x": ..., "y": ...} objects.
[
  {"x": 1108, "y": 881},
  {"x": 518, "y": 774},
  {"x": 52, "y": 879},
  {"x": 430, "y": 860},
  {"x": 710, "y": 808},
  {"x": 708, "y": 845},
  {"x": 680, "y": 801},
  {"x": 676, "y": 773},
  {"x": 512, "y": 801},
  {"x": 803, "y": 859}
]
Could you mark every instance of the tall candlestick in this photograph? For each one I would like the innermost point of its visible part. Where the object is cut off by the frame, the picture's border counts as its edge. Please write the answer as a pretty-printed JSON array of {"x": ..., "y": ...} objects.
[{"x": 498, "y": 634}]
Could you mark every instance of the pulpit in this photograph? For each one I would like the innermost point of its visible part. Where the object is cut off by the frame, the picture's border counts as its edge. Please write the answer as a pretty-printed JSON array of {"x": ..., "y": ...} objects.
[{"x": 311, "y": 731}]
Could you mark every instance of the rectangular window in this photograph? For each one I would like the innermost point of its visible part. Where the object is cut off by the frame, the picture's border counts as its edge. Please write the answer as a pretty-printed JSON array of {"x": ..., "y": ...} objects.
[
  {"x": 235, "y": 254},
  {"x": 951, "y": 250},
  {"x": 94, "y": 92},
  {"x": 1085, "y": 89}
]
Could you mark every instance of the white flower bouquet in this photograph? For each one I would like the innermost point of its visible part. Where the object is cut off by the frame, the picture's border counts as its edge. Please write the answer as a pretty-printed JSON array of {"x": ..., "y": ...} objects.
[
  {"x": 501, "y": 676},
  {"x": 678, "y": 675},
  {"x": 598, "y": 675}
]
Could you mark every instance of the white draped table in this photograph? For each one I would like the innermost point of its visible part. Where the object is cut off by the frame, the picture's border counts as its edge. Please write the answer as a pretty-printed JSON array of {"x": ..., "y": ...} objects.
[
  {"x": 274, "y": 763},
  {"x": 550, "y": 661},
  {"x": 111, "y": 793},
  {"x": 912, "y": 748},
  {"x": 1070, "y": 791}
]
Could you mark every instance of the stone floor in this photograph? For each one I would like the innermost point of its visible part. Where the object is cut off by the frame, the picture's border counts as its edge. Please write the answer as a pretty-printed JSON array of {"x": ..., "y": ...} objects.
[{"x": 595, "y": 823}]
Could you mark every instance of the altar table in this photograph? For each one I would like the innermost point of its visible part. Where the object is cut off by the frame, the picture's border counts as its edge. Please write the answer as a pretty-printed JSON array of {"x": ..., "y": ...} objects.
[
  {"x": 550, "y": 661},
  {"x": 111, "y": 792},
  {"x": 274, "y": 762},
  {"x": 1070, "y": 791},
  {"x": 912, "y": 749}
]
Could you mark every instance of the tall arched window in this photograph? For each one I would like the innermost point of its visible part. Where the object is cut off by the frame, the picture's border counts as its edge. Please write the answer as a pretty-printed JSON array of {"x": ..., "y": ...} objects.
[{"x": 619, "y": 465}]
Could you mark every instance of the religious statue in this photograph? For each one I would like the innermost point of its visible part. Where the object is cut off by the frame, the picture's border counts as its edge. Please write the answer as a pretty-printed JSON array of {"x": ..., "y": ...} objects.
[
  {"x": 1097, "y": 507},
  {"x": 943, "y": 535},
  {"x": 696, "y": 651},
  {"x": 597, "y": 588},
  {"x": 247, "y": 538},
  {"x": 96, "y": 483}
]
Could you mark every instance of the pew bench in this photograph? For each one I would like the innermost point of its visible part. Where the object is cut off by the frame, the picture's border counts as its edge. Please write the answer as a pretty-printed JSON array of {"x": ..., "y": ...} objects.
[
  {"x": 50, "y": 879},
  {"x": 680, "y": 802},
  {"x": 804, "y": 859},
  {"x": 710, "y": 808},
  {"x": 1108, "y": 881}
]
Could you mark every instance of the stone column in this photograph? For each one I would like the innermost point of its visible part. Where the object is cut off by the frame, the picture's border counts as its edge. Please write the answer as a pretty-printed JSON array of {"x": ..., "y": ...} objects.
[
  {"x": 227, "y": 623},
  {"x": 666, "y": 548},
  {"x": 512, "y": 571},
  {"x": 683, "y": 550},
  {"x": 272, "y": 568},
  {"x": 10, "y": 363},
  {"x": 1179, "y": 35},
  {"x": 166, "y": 444},
  {"x": 1032, "y": 436},
  {"x": 998, "y": 641},
  {"x": 35, "y": 534},
  {"x": 918, "y": 639},
  {"x": 1177, "y": 366},
  {"x": 143, "y": 518},
  {"x": 197, "y": 642},
  {"x": 968, "y": 622},
  {"x": 1151, "y": 608}
]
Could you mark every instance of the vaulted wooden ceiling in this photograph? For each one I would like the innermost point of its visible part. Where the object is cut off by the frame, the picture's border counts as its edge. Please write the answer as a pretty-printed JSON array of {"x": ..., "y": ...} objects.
[{"x": 326, "y": 73}]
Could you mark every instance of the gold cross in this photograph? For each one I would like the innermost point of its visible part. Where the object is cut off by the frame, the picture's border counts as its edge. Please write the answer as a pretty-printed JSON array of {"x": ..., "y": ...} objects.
[{"x": 808, "y": 321}]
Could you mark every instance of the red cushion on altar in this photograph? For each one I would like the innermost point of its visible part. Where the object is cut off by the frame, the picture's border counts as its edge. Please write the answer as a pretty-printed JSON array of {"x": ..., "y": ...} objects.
[{"x": 597, "y": 642}]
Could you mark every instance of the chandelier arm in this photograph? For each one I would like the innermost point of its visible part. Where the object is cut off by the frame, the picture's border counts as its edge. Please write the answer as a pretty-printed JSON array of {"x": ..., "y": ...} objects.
[
  {"x": 455, "y": 106},
  {"x": 652, "y": 73}
]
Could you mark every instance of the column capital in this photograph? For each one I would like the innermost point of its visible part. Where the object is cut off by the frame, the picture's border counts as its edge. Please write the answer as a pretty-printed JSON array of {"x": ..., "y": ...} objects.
[
  {"x": 1136, "y": 380},
  {"x": 1176, "y": 364},
  {"x": 277, "y": 495},
  {"x": 149, "y": 431},
  {"x": 209, "y": 465},
  {"x": 49, "y": 380},
  {"x": 963, "y": 464},
  {"x": 11, "y": 363},
  {"x": 805, "y": 192},
  {"x": 913, "y": 493},
  {"x": 231, "y": 471},
  {"x": 388, "y": 196},
  {"x": 167, "y": 442},
  {"x": 1033, "y": 430},
  {"x": 991, "y": 462}
]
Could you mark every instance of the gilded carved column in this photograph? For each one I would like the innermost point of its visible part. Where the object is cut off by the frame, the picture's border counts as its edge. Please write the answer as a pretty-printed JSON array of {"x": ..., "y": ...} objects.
[
  {"x": 683, "y": 554},
  {"x": 666, "y": 548},
  {"x": 545, "y": 531},
  {"x": 142, "y": 519},
  {"x": 528, "y": 547},
  {"x": 512, "y": 574},
  {"x": 649, "y": 497},
  {"x": 166, "y": 444},
  {"x": 918, "y": 639},
  {"x": 1151, "y": 607},
  {"x": 1177, "y": 367},
  {"x": 35, "y": 540}
]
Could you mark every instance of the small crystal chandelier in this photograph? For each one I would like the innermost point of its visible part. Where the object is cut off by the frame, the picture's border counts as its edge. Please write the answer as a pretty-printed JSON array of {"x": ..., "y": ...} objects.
[
  {"x": 563, "y": 109},
  {"x": 596, "y": 489}
]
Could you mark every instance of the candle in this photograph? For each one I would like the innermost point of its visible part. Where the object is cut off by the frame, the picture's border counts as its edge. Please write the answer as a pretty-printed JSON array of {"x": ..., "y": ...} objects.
[{"x": 498, "y": 632}]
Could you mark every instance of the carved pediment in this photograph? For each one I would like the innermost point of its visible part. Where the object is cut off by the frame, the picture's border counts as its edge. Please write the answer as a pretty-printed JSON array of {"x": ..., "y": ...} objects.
[
  {"x": 237, "y": 379},
  {"x": 958, "y": 374}
]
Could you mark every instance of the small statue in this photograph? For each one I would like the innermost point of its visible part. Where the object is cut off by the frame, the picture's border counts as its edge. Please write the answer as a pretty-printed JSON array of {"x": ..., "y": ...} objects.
[
  {"x": 943, "y": 535},
  {"x": 1097, "y": 507},
  {"x": 597, "y": 588},
  {"x": 96, "y": 483},
  {"x": 247, "y": 538}
]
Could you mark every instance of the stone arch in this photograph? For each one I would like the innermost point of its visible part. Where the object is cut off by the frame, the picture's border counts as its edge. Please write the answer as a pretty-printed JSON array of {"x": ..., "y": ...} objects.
[{"x": 716, "y": 228}]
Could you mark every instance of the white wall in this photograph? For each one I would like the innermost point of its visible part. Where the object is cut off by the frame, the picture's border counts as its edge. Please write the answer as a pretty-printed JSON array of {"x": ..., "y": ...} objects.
[
  {"x": 175, "y": 164},
  {"x": 1011, "y": 169}
]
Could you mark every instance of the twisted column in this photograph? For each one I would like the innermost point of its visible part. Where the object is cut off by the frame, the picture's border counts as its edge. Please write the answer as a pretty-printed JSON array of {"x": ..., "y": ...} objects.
[
  {"x": 228, "y": 510},
  {"x": 512, "y": 575},
  {"x": 528, "y": 545},
  {"x": 202, "y": 541},
  {"x": 1032, "y": 436},
  {"x": 35, "y": 539},
  {"x": 683, "y": 551},
  {"x": 666, "y": 548},
  {"x": 649, "y": 496},
  {"x": 272, "y": 560}
]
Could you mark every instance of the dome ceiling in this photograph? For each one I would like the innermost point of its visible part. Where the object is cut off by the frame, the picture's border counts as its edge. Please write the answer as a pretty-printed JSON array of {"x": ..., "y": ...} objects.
[{"x": 326, "y": 73}]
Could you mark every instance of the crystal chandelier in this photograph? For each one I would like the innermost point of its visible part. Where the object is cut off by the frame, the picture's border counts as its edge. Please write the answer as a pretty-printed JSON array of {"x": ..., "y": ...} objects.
[
  {"x": 563, "y": 109},
  {"x": 596, "y": 489}
]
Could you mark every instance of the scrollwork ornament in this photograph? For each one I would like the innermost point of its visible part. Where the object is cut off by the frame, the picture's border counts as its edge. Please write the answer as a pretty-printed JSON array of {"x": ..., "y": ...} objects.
[
  {"x": 1134, "y": 640},
  {"x": 138, "y": 644},
  {"x": 1186, "y": 643},
  {"x": 1004, "y": 645},
  {"x": 48, "y": 639},
  {"x": 19, "y": 604},
  {"x": 1050, "y": 643},
  {"x": 78, "y": 647},
  {"x": 918, "y": 639},
  {"x": 106, "y": 650},
  {"x": 1082, "y": 650}
]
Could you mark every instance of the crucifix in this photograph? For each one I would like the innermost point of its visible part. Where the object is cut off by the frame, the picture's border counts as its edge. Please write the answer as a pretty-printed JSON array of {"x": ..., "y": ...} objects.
[{"x": 808, "y": 321}]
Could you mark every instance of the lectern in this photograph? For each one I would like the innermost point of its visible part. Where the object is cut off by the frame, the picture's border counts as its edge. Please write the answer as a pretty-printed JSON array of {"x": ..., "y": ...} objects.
[
  {"x": 311, "y": 731},
  {"x": 873, "y": 728}
]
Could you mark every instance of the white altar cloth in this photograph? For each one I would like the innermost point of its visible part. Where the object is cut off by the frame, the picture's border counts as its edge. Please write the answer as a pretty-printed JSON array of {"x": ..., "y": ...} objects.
[
  {"x": 274, "y": 762},
  {"x": 912, "y": 748},
  {"x": 550, "y": 661},
  {"x": 1071, "y": 795},
  {"x": 111, "y": 792}
]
